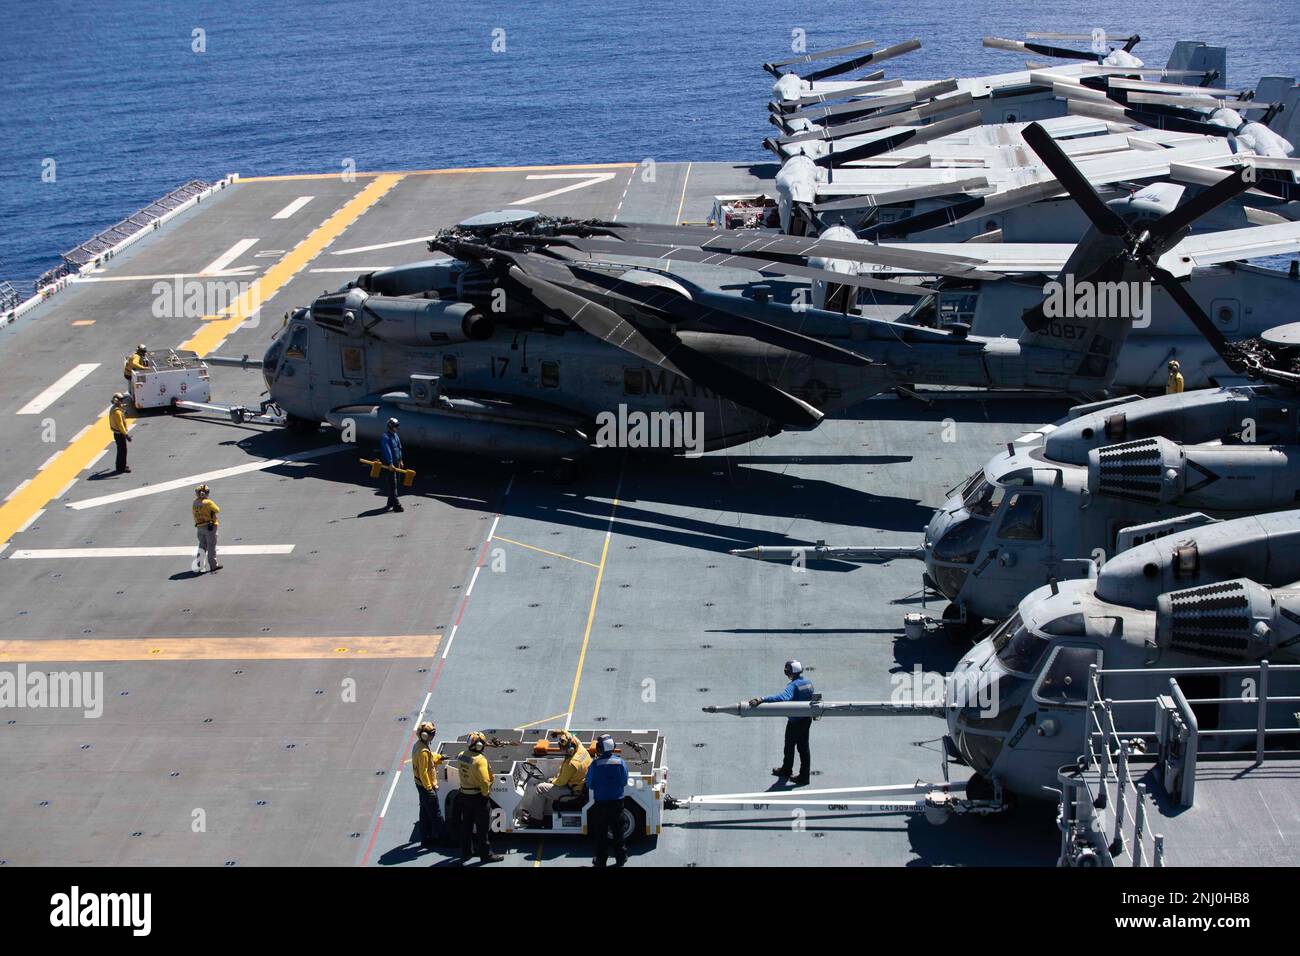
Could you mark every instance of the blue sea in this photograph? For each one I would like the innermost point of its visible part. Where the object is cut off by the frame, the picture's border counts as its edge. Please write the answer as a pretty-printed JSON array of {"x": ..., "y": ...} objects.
[{"x": 116, "y": 96}]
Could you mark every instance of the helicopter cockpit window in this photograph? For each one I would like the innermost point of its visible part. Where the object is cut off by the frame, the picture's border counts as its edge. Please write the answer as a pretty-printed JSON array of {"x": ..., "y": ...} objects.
[
  {"x": 1019, "y": 649},
  {"x": 924, "y": 312},
  {"x": 449, "y": 368},
  {"x": 1003, "y": 632},
  {"x": 1023, "y": 520},
  {"x": 1065, "y": 679},
  {"x": 550, "y": 374},
  {"x": 983, "y": 498}
]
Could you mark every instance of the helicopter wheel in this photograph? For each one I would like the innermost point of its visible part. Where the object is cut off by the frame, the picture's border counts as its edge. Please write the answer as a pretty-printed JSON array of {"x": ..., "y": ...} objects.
[{"x": 979, "y": 787}]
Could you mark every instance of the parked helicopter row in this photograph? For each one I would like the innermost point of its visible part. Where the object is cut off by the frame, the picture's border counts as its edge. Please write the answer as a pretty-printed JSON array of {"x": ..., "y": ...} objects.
[{"x": 1153, "y": 534}]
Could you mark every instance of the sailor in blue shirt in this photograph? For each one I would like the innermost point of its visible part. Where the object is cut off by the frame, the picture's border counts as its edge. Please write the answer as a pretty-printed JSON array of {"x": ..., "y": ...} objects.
[
  {"x": 800, "y": 688},
  {"x": 606, "y": 781},
  {"x": 390, "y": 452}
]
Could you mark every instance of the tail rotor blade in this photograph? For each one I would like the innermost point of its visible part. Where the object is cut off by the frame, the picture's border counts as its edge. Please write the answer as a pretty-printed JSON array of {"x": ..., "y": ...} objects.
[
  {"x": 1225, "y": 190},
  {"x": 1192, "y": 309},
  {"x": 1075, "y": 183}
]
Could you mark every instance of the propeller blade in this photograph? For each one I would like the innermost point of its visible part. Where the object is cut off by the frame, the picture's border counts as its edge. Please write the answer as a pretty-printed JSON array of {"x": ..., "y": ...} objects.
[
  {"x": 823, "y": 54},
  {"x": 1225, "y": 190},
  {"x": 1178, "y": 292},
  {"x": 881, "y": 121},
  {"x": 888, "y": 53},
  {"x": 913, "y": 136},
  {"x": 958, "y": 187},
  {"x": 688, "y": 310},
  {"x": 1074, "y": 182},
  {"x": 1042, "y": 49},
  {"x": 870, "y": 81}
]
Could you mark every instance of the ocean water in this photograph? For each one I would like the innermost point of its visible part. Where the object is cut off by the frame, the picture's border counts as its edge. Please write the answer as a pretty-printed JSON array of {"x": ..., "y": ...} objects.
[{"x": 115, "y": 95}]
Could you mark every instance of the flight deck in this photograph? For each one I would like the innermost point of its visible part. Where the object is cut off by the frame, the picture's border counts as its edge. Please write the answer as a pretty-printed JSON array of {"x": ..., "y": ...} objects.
[{"x": 264, "y": 714}]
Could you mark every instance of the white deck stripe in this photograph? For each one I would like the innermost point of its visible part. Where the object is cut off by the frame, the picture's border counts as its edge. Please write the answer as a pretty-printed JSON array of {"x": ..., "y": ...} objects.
[
  {"x": 382, "y": 245},
  {"x": 588, "y": 179},
  {"x": 229, "y": 256},
  {"x": 168, "y": 552},
  {"x": 57, "y": 390},
  {"x": 204, "y": 478},
  {"x": 293, "y": 207}
]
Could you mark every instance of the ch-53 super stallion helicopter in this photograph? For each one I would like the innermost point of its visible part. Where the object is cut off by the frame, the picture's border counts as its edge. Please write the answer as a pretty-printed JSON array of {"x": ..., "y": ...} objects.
[
  {"x": 509, "y": 348},
  {"x": 1093, "y": 487},
  {"x": 1017, "y": 705}
]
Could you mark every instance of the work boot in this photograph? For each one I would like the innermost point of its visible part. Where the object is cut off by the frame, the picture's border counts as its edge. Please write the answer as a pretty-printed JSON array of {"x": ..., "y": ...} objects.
[
  {"x": 620, "y": 860},
  {"x": 492, "y": 858},
  {"x": 218, "y": 567},
  {"x": 801, "y": 780},
  {"x": 781, "y": 771}
]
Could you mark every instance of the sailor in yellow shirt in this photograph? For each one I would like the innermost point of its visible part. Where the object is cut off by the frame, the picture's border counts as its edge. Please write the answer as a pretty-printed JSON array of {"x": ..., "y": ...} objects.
[
  {"x": 117, "y": 423},
  {"x": 424, "y": 764},
  {"x": 205, "y": 523},
  {"x": 137, "y": 361},
  {"x": 571, "y": 781},
  {"x": 1175, "y": 384},
  {"x": 473, "y": 803}
]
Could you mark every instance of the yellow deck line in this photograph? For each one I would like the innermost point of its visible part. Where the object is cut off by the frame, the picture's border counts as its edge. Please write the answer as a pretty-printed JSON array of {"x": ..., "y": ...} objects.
[
  {"x": 437, "y": 172},
  {"x": 76, "y": 457},
  {"x": 682, "y": 204},
  {"x": 544, "y": 720},
  {"x": 595, "y": 596},
  {"x": 554, "y": 554},
  {"x": 84, "y": 650}
]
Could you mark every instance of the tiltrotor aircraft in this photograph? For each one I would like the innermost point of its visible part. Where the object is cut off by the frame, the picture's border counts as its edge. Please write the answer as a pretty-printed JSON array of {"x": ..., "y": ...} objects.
[{"x": 1222, "y": 594}]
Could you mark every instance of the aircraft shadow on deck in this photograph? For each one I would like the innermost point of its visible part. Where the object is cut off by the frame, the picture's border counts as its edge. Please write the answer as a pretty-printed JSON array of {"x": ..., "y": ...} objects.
[{"x": 720, "y": 485}]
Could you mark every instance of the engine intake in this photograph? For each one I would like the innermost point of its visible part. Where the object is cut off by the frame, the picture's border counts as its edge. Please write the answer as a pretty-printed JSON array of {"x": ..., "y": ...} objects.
[{"x": 1238, "y": 620}]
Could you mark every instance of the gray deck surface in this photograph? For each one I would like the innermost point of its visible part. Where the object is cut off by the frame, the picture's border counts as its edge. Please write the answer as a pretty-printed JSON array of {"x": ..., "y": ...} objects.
[{"x": 615, "y": 591}]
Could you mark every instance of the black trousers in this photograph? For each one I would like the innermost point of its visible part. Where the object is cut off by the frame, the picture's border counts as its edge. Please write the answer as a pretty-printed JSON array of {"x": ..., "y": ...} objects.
[
  {"x": 433, "y": 828},
  {"x": 120, "y": 440},
  {"x": 475, "y": 816},
  {"x": 390, "y": 482},
  {"x": 796, "y": 738},
  {"x": 605, "y": 820}
]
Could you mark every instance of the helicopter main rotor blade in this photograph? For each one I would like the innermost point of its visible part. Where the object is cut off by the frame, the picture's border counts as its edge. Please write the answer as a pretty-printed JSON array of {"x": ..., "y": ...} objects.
[
  {"x": 759, "y": 243},
  {"x": 1074, "y": 182},
  {"x": 663, "y": 349},
  {"x": 666, "y": 300},
  {"x": 879, "y": 56},
  {"x": 641, "y": 250}
]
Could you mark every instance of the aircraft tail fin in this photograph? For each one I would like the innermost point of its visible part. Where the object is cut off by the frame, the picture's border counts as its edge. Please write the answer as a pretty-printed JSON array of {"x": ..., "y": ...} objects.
[{"x": 1194, "y": 55}]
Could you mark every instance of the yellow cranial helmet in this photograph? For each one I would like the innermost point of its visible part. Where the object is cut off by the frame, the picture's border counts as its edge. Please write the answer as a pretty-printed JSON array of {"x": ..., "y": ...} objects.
[
  {"x": 477, "y": 741},
  {"x": 426, "y": 731},
  {"x": 202, "y": 490}
]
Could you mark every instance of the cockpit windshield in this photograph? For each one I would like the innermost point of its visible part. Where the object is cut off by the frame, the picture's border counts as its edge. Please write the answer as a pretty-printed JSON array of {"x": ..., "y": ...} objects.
[
  {"x": 982, "y": 497},
  {"x": 1018, "y": 648}
]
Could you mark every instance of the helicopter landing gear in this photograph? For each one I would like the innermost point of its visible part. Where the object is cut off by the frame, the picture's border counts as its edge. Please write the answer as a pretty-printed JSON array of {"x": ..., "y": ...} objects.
[
  {"x": 301, "y": 426},
  {"x": 959, "y": 627},
  {"x": 979, "y": 787}
]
